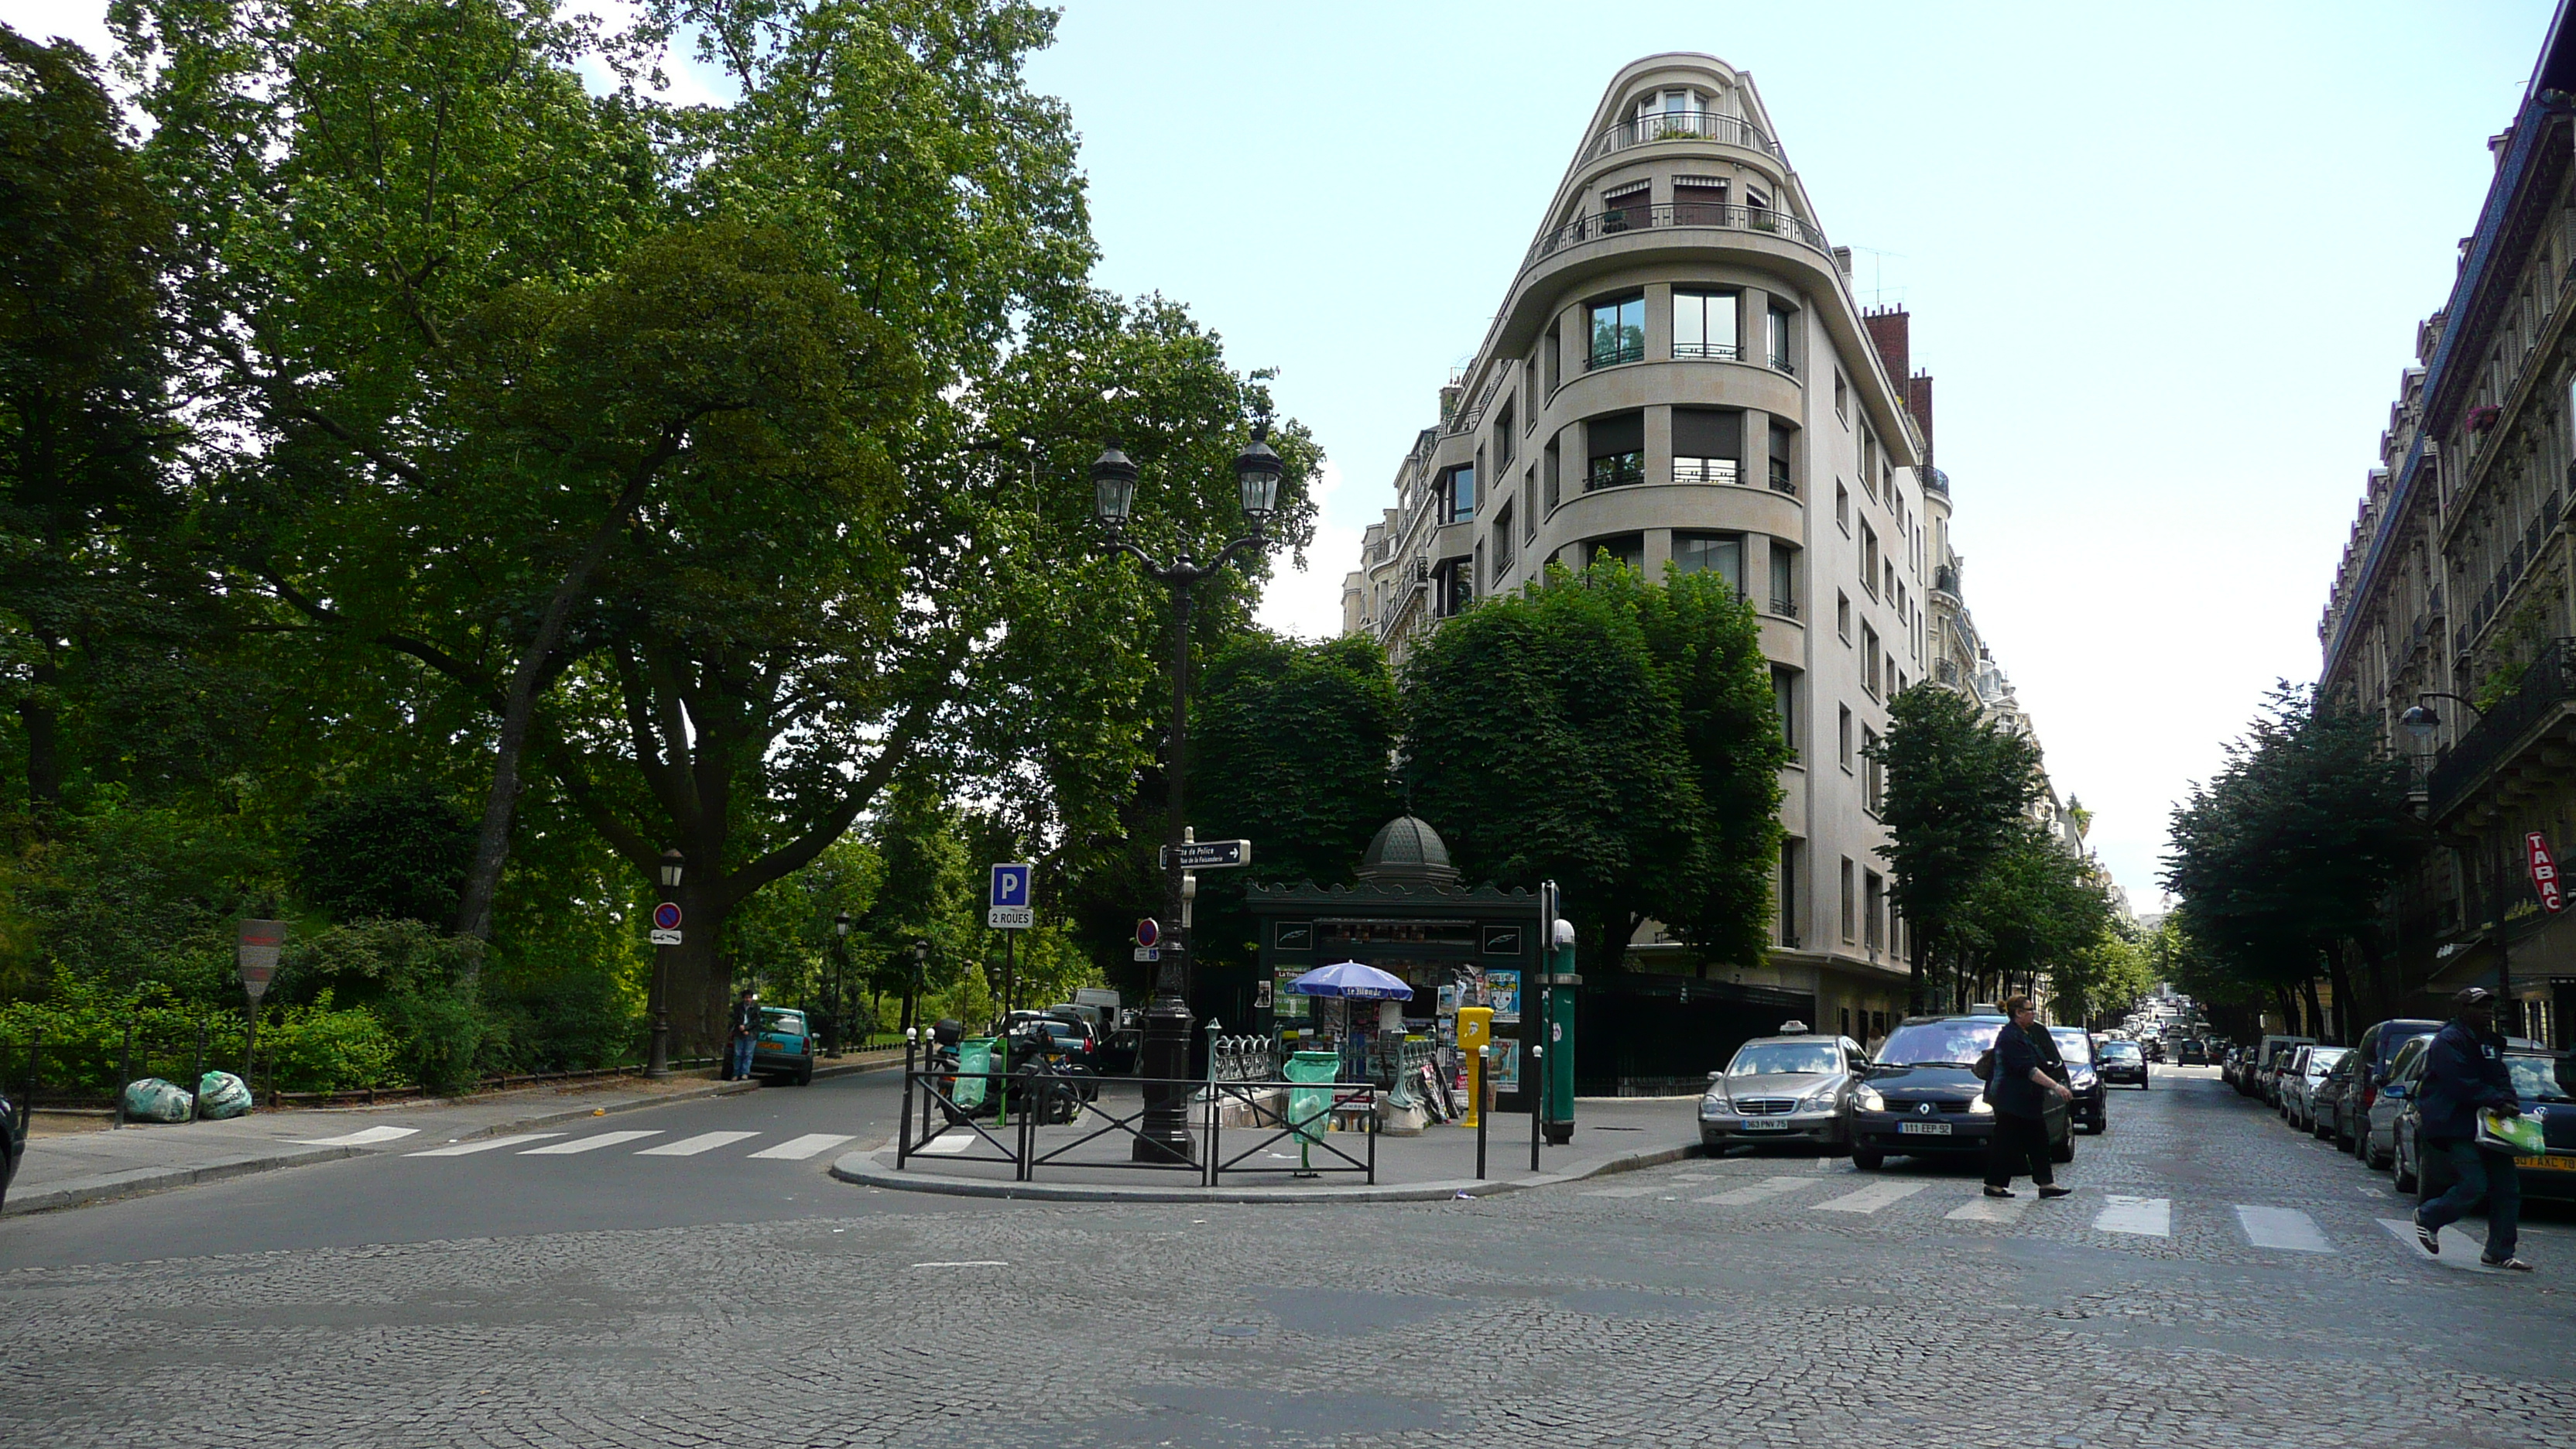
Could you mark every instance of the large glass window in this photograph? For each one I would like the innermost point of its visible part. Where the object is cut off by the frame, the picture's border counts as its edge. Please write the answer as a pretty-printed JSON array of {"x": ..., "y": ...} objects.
[
  {"x": 1457, "y": 498},
  {"x": 1784, "y": 580},
  {"x": 1784, "y": 697},
  {"x": 1615, "y": 450},
  {"x": 1704, "y": 324},
  {"x": 1782, "y": 479},
  {"x": 1718, "y": 553},
  {"x": 1619, "y": 331},
  {"x": 1778, "y": 337},
  {"x": 1706, "y": 444},
  {"x": 1503, "y": 541}
]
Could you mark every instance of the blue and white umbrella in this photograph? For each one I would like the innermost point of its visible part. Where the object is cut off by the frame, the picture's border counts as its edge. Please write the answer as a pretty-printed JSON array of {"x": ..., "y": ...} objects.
[{"x": 1351, "y": 980}]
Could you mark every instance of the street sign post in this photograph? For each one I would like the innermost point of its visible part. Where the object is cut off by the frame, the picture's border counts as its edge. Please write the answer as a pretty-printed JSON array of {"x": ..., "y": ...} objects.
[
  {"x": 666, "y": 924},
  {"x": 1210, "y": 854},
  {"x": 1008, "y": 907},
  {"x": 2544, "y": 873},
  {"x": 255, "y": 949}
]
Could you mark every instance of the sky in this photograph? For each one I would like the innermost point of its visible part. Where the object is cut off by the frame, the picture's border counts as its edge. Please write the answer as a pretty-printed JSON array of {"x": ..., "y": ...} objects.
[{"x": 2165, "y": 263}]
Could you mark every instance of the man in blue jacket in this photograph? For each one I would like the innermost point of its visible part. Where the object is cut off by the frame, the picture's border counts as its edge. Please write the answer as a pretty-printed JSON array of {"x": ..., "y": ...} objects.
[{"x": 2464, "y": 1074}]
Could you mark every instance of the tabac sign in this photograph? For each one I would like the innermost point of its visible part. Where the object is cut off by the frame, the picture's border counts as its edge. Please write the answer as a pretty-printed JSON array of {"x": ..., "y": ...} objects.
[{"x": 2544, "y": 872}]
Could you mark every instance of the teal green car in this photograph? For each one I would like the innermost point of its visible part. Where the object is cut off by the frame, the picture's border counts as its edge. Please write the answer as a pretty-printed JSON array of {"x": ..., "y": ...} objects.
[{"x": 785, "y": 1046}]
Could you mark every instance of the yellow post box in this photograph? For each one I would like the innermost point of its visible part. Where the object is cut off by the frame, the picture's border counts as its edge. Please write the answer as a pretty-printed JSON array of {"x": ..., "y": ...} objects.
[{"x": 1475, "y": 1032}]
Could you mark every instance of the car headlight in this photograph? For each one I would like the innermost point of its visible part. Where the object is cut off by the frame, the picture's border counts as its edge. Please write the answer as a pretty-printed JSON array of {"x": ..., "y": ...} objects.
[
  {"x": 1868, "y": 1099},
  {"x": 1714, "y": 1106},
  {"x": 2083, "y": 1078},
  {"x": 1980, "y": 1107}
]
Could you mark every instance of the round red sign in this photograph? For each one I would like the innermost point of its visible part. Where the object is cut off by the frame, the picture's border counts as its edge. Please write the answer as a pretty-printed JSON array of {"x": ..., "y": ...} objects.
[{"x": 667, "y": 915}]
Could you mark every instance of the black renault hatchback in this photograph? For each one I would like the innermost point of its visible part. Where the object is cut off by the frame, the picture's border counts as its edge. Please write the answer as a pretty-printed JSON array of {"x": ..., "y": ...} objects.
[{"x": 1921, "y": 1097}]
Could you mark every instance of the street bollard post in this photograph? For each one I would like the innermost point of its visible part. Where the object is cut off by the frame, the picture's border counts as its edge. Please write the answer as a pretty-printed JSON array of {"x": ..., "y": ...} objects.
[
  {"x": 126, "y": 1071},
  {"x": 903, "y": 1123},
  {"x": 197, "y": 1077},
  {"x": 1484, "y": 1076},
  {"x": 1538, "y": 1098}
]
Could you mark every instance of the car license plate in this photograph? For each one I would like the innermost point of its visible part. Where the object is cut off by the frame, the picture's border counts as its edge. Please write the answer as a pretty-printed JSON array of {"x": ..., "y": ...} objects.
[
  {"x": 1923, "y": 1129},
  {"x": 1758, "y": 1124}
]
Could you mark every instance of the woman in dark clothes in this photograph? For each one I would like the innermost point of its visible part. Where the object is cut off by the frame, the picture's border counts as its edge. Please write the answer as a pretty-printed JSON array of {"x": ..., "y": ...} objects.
[{"x": 2018, "y": 1087}]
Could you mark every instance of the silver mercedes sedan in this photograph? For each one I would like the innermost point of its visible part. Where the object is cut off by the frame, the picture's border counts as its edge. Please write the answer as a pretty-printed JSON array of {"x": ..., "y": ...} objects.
[{"x": 1787, "y": 1088}]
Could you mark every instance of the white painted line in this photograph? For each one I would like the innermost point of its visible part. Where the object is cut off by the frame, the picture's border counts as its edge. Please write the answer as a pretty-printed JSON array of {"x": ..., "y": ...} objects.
[
  {"x": 1871, "y": 1198},
  {"x": 488, "y": 1144},
  {"x": 1984, "y": 1209},
  {"x": 969, "y": 1263},
  {"x": 2460, "y": 1250},
  {"x": 952, "y": 1142},
  {"x": 1623, "y": 1191},
  {"x": 588, "y": 1144},
  {"x": 2285, "y": 1228},
  {"x": 363, "y": 1137},
  {"x": 692, "y": 1146},
  {"x": 1767, "y": 1188},
  {"x": 797, "y": 1149},
  {"x": 2147, "y": 1217}
]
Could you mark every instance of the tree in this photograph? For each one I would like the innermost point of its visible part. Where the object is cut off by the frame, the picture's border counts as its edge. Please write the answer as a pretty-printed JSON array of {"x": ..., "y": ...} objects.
[
  {"x": 393, "y": 851},
  {"x": 1957, "y": 798},
  {"x": 2034, "y": 909},
  {"x": 1615, "y": 736}
]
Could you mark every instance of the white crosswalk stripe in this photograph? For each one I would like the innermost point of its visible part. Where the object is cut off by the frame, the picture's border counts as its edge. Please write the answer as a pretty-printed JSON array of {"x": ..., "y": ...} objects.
[
  {"x": 488, "y": 1144},
  {"x": 2285, "y": 1228},
  {"x": 1624, "y": 1191},
  {"x": 589, "y": 1144},
  {"x": 797, "y": 1149},
  {"x": 1870, "y": 1199},
  {"x": 363, "y": 1137},
  {"x": 1767, "y": 1188},
  {"x": 2146, "y": 1217},
  {"x": 1984, "y": 1209},
  {"x": 692, "y": 1146}
]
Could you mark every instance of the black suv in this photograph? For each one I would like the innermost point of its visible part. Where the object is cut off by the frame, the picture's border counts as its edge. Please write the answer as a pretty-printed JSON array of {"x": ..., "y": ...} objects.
[
  {"x": 13, "y": 1140},
  {"x": 1921, "y": 1096}
]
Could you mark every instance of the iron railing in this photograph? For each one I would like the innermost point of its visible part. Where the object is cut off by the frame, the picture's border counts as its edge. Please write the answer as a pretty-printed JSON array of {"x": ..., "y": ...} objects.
[
  {"x": 2547, "y": 688},
  {"x": 1682, "y": 126},
  {"x": 931, "y": 1111},
  {"x": 1624, "y": 220}
]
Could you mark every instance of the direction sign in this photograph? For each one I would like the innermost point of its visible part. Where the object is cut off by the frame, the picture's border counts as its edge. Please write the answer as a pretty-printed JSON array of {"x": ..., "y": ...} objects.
[
  {"x": 255, "y": 949},
  {"x": 1209, "y": 854},
  {"x": 2544, "y": 873},
  {"x": 1008, "y": 907}
]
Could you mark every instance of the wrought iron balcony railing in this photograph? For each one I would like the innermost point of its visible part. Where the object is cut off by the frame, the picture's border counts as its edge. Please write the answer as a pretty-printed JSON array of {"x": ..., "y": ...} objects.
[
  {"x": 1624, "y": 220},
  {"x": 2547, "y": 690},
  {"x": 1682, "y": 126}
]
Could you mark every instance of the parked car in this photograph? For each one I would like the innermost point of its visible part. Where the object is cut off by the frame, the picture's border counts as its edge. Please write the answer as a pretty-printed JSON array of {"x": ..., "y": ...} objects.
[
  {"x": 2375, "y": 1055},
  {"x": 13, "y": 1140},
  {"x": 2326, "y": 1098},
  {"x": 2122, "y": 1062},
  {"x": 2195, "y": 1053},
  {"x": 784, "y": 1048},
  {"x": 2229, "y": 1062},
  {"x": 2405, "y": 1077},
  {"x": 2299, "y": 1079},
  {"x": 2546, "y": 1082},
  {"x": 2269, "y": 1054},
  {"x": 2091, "y": 1108},
  {"x": 1783, "y": 1089},
  {"x": 1921, "y": 1097}
]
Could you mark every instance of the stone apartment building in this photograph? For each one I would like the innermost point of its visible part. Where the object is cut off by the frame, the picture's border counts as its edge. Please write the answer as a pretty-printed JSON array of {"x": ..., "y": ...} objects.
[
  {"x": 2453, "y": 613},
  {"x": 1679, "y": 375}
]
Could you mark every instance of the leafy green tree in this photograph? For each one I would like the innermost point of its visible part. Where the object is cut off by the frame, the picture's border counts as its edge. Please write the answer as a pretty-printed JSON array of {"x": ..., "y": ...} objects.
[
  {"x": 393, "y": 851},
  {"x": 2035, "y": 909},
  {"x": 1605, "y": 733},
  {"x": 1958, "y": 795}
]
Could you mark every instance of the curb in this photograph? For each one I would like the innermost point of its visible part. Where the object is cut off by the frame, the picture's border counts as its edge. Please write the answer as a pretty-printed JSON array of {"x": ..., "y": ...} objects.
[
  {"x": 134, "y": 1182},
  {"x": 865, "y": 1169}
]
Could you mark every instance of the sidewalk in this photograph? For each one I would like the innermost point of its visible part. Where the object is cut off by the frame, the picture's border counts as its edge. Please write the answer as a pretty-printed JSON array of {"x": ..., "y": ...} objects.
[
  {"x": 1611, "y": 1135},
  {"x": 70, "y": 1169}
]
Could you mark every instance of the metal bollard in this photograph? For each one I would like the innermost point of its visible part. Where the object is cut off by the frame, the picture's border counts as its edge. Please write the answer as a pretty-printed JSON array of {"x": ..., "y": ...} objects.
[
  {"x": 125, "y": 1072},
  {"x": 1484, "y": 1108},
  {"x": 197, "y": 1078},
  {"x": 35, "y": 1067}
]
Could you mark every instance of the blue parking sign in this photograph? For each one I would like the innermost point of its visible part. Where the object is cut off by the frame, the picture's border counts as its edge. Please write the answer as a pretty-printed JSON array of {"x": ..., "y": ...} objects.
[{"x": 1008, "y": 907}]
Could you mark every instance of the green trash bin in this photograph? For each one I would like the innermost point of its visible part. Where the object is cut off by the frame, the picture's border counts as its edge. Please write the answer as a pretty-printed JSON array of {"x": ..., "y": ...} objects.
[
  {"x": 974, "y": 1056},
  {"x": 1310, "y": 1109}
]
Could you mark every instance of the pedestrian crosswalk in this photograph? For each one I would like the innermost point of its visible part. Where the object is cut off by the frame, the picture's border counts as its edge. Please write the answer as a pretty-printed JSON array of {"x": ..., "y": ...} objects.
[
  {"x": 801, "y": 1148},
  {"x": 2265, "y": 1226}
]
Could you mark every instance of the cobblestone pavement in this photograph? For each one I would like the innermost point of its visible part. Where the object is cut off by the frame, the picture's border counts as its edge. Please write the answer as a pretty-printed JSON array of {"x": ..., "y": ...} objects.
[{"x": 1748, "y": 1301}]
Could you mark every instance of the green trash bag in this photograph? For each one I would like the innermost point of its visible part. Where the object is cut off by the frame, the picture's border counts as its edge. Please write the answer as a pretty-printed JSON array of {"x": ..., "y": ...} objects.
[
  {"x": 154, "y": 1100},
  {"x": 221, "y": 1095},
  {"x": 974, "y": 1054},
  {"x": 1310, "y": 1109}
]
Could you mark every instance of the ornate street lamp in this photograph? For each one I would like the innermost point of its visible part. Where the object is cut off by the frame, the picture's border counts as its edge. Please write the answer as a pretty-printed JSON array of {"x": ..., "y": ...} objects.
[
  {"x": 838, "y": 997},
  {"x": 657, "y": 1059},
  {"x": 1165, "y": 1056}
]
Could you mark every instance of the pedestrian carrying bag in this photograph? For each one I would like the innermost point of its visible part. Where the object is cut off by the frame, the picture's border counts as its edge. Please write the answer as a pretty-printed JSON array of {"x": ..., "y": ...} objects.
[
  {"x": 2521, "y": 1136},
  {"x": 1985, "y": 1067}
]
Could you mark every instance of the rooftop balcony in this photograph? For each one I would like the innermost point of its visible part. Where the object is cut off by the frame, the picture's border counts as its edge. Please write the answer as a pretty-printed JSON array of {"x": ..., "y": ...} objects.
[
  {"x": 1646, "y": 130},
  {"x": 1686, "y": 215}
]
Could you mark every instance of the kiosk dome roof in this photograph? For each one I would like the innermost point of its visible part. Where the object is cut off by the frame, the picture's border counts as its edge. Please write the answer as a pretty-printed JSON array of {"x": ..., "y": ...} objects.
[{"x": 1407, "y": 851}]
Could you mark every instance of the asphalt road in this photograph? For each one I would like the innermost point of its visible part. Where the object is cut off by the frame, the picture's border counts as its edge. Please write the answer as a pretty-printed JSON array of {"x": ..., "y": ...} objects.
[{"x": 2215, "y": 1280}]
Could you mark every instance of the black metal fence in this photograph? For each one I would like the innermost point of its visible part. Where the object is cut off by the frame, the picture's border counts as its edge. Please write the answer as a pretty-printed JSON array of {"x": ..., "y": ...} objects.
[{"x": 1023, "y": 1101}]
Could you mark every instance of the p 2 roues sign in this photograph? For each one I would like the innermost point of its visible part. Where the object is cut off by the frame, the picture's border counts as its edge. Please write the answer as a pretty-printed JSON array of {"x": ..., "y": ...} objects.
[{"x": 2544, "y": 873}]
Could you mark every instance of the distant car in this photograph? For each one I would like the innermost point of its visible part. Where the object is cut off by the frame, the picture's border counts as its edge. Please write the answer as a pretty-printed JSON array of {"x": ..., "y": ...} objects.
[
  {"x": 2123, "y": 1063},
  {"x": 1920, "y": 1096},
  {"x": 2546, "y": 1082},
  {"x": 785, "y": 1047},
  {"x": 2091, "y": 1108},
  {"x": 13, "y": 1140},
  {"x": 2195, "y": 1053},
  {"x": 1782, "y": 1089},
  {"x": 2374, "y": 1057}
]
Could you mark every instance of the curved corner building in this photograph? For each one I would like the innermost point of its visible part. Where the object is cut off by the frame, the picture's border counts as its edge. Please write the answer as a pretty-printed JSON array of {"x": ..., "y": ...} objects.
[{"x": 1678, "y": 374}]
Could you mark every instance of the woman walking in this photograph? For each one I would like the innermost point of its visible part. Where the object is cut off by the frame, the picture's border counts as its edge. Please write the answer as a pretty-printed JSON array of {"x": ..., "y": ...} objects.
[{"x": 2019, "y": 1090}]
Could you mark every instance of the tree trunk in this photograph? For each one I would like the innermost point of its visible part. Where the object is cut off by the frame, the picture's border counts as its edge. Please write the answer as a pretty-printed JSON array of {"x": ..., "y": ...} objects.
[
  {"x": 2316, "y": 1013},
  {"x": 43, "y": 724},
  {"x": 2344, "y": 1006}
]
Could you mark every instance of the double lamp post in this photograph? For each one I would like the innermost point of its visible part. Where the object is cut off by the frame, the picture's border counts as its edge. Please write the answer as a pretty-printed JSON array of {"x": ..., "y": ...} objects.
[{"x": 1164, "y": 1134}]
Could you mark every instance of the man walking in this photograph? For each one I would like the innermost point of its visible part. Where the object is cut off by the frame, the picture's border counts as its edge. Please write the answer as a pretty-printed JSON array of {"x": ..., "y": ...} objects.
[
  {"x": 2019, "y": 1087},
  {"x": 746, "y": 1031},
  {"x": 2464, "y": 1074}
]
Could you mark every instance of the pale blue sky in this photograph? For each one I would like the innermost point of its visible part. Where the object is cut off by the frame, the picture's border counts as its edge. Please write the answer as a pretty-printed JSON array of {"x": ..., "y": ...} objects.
[{"x": 2166, "y": 263}]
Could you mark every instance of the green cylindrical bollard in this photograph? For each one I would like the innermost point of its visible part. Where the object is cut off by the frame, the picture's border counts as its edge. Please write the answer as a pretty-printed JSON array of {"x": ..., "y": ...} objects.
[{"x": 1559, "y": 1061}]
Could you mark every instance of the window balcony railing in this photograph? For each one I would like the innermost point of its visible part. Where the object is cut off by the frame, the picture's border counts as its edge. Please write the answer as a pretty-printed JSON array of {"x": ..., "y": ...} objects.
[
  {"x": 1615, "y": 470},
  {"x": 1687, "y": 215},
  {"x": 1781, "y": 482},
  {"x": 1682, "y": 126},
  {"x": 1613, "y": 356},
  {"x": 1704, "y": 470},
  {"x": 1785, "y": 608},
  {"x": 1712, "y": 351},
  {"x": 2546, "y": 692}
]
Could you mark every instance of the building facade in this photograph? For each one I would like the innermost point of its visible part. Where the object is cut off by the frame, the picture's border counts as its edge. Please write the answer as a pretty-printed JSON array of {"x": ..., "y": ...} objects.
[
  {"x": 2455, "y": 598},
  {"x": 1679, "y": 376}
]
